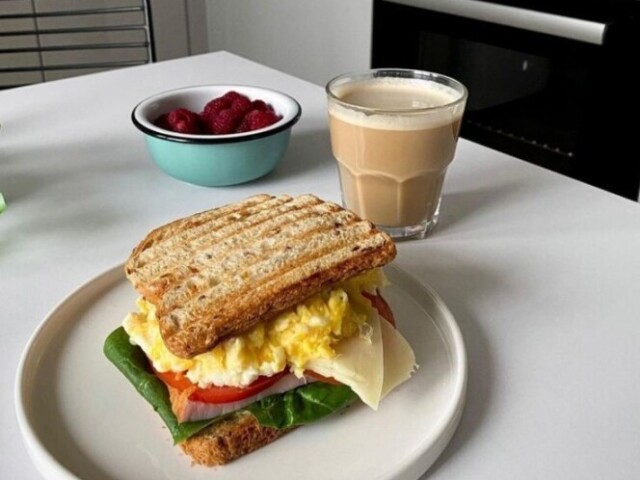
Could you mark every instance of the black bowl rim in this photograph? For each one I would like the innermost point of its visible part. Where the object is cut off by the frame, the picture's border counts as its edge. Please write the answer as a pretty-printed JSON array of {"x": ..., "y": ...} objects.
[{"x": 210, "y": 139}]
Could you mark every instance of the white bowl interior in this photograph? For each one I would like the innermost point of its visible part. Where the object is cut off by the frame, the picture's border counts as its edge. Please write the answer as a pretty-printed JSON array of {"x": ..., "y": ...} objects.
[{"x": 195, "y": 98}]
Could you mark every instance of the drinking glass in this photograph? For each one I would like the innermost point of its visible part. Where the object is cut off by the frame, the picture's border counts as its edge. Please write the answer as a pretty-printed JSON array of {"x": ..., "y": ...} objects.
[{"x": 394, "y": 133}]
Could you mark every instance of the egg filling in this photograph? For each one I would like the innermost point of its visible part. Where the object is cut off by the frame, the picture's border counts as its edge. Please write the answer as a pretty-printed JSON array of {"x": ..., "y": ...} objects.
[{"x": 292, "y": 340}]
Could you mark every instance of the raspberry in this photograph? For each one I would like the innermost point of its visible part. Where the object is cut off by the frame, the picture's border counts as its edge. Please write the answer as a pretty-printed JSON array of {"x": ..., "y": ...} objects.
[
  {"x": 214, "y": 107},
  {"x": 162, "y": 122},
  {"x": 244, "y": 124},
  {"x": 260, "y": 105},
  {"x": 225, "y": 122},
  {"x": 256, "y": 119},
  {"x": 229, "y": 113},
  {"x": 241, "y": 104},
  {"x": 232, "y": 96},
  {"x": 184, "y": 121}
]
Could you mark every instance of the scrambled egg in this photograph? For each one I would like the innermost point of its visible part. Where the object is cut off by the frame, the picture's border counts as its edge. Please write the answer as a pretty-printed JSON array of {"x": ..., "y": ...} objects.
[{"x": 307, "y": 332}]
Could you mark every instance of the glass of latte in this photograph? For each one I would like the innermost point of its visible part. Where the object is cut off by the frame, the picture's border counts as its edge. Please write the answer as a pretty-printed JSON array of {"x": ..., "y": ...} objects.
[{"x": 393, "y": 134}]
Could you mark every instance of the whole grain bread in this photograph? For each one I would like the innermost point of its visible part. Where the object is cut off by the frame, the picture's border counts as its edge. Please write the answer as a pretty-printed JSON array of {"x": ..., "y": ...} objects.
[
  {"x": 230, "y": 438},
  {"x": 217, "y": 273}
]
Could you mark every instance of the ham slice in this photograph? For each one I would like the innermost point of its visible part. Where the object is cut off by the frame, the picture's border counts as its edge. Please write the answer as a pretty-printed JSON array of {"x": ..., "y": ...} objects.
[{"x": 187, "y": 410}]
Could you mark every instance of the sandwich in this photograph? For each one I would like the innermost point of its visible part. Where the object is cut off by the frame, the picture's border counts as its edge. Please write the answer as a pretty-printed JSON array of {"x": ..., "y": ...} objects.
[{"x": 256, "y": 318}]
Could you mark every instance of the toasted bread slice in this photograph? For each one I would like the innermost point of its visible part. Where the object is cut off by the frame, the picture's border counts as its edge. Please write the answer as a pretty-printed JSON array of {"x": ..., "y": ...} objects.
[
  {"x": 218, "y": 273},
  {"x": 228, "y": 439},
  {"x": 233, "y": 436}
]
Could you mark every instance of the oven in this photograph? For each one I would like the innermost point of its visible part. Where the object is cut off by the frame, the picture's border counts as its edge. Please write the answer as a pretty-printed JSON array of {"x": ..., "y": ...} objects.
[{"x": 550, "y": 82}]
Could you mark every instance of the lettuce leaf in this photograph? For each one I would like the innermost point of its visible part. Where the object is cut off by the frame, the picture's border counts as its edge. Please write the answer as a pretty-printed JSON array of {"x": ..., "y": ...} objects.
[
  {"x": 301, "y": 406},
  {"x": 133, "y": 363}
]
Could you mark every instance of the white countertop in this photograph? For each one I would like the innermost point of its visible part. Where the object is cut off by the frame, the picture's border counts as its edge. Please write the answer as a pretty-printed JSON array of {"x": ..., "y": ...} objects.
[{"x": 541, "y": 272}]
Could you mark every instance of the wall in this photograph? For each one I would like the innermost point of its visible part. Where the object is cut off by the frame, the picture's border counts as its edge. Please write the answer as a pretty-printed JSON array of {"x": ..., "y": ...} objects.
[
  {"x": 179, "y": 28},
  {"x": 311, "y": 39}
]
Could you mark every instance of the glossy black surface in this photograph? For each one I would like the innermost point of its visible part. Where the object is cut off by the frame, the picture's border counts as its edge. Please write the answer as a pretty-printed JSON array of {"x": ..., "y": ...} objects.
[{"x": 552, "y": 101}]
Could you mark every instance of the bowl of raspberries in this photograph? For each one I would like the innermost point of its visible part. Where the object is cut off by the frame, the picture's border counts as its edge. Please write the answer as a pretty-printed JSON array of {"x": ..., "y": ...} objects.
[{"x": 217, "y": 135}]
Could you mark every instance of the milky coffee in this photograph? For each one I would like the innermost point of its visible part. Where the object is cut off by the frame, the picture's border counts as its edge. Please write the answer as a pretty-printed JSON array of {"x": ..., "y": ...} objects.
[{"x": 394, "y": 152}]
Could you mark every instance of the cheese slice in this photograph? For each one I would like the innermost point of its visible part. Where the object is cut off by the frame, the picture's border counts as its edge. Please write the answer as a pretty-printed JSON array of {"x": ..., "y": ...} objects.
[
  {"x": 358, "y": 363},
  {"x": 370, "y": 367},
  {"x": 399, "y": 359}
]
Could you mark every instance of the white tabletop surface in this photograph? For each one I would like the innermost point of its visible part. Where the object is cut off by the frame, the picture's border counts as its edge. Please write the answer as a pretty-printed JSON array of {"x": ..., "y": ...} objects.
[{"x": 541, "y": 272}]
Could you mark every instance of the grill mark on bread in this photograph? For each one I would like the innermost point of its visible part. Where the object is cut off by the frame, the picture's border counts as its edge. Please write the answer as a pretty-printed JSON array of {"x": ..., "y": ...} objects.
[
  {"x": 158, "y": 235},
  {"x": 193, "y": 236},
  {"x": 252, "y": 269},
  {"x": 180, "y": 247},
  {"x": 222, "y": 268},
  {"x": 189, "y": 236},
  {"x": 275, "y": 261},
  {"x": 236, "y": 237},
  {"x": 268, "y": 287}
]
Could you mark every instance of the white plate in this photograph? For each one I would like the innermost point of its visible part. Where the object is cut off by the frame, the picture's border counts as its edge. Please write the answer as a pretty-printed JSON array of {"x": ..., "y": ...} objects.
[{"x": 81, "y": 419}]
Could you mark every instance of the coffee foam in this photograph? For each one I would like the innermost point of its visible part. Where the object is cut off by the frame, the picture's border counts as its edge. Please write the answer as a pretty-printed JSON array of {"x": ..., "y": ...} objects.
[{"x": 381, "y": 93}]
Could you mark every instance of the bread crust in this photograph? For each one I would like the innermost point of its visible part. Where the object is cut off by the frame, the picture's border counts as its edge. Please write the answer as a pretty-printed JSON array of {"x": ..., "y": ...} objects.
[
  {"x": 218, "y": 273},
  {"x": 229, "y": 439}
]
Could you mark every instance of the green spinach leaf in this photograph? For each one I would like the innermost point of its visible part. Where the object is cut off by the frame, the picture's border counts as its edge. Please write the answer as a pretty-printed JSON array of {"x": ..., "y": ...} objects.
[
  {"x": 133, "y": 363},
  {"x": 303, "y": 405}
]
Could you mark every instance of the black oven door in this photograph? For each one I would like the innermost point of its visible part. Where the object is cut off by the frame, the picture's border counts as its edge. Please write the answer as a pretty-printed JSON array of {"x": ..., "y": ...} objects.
[{"x": 550, "y": 89}]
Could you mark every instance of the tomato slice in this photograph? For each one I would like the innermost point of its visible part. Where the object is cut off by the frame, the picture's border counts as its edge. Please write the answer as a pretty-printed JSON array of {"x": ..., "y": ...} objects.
[
  {"x": 381, "y": 305},
  {"x": 215, "y": 394},
  {"x": 175, "y": 380}
]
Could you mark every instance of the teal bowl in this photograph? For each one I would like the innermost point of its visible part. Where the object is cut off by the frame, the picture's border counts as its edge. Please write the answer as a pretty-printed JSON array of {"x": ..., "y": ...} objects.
[{"x": 215, "y": 160}]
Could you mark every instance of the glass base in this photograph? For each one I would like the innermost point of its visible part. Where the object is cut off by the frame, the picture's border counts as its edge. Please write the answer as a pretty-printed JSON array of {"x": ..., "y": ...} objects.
[
  {"x": 411, "y": 232},
  {"x": 414, "y": 232},
  {"x": 408, "y": 232}
]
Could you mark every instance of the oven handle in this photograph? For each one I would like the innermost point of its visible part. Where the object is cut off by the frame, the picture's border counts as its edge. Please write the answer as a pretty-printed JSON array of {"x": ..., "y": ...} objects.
[{"x": 531, "y": 20}]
